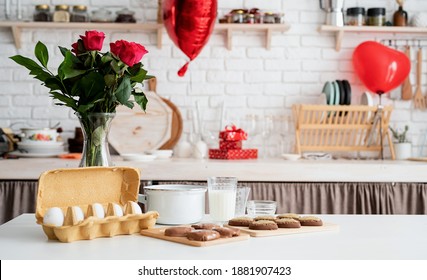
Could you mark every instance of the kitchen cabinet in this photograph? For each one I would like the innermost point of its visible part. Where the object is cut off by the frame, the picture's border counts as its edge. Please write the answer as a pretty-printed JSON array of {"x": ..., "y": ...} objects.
[
  {"x": 340, "y": 31},
  {"x": 229, "y": 29}
]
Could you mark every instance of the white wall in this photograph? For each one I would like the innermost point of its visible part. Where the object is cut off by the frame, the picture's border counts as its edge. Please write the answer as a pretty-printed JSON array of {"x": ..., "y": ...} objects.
[{"x": 249, "y": 78}]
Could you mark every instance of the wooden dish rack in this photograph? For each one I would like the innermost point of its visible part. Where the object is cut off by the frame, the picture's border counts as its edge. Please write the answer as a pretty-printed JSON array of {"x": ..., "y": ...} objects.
[{"x": 323, "y": 128}]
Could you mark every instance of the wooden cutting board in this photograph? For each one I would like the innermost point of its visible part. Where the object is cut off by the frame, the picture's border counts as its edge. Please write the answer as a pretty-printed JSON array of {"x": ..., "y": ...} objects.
[
  {"x": 136, "y": 131},
  {"x": 286, "y": 231},
  {"x": 160, "y": 234}
]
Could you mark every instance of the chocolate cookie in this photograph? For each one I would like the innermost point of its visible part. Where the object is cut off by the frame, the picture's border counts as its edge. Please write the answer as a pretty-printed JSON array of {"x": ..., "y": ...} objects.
[
  {"x": 288, "y": 223},
  {"x": 227, "y": 232},
  {"x": 288, "y": 216},
  {"x": 240, "y": 221},
  {"x": 204, "y": 226},
  {"x": 265, "y": 218},
  {"x": 310, "y": 221},
  {"x": 203, "y": 235},
  {"x": 178, "y": 231},
  {"x": 263, "y": 225}
]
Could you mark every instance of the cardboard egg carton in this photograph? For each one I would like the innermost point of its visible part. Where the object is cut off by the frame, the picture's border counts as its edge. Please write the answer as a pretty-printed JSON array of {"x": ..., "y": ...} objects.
[{"x": 83, "y": 187}]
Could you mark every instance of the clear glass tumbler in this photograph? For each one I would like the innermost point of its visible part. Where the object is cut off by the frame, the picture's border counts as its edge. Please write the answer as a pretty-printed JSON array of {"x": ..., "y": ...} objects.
[{"x": 222, "y": 198}]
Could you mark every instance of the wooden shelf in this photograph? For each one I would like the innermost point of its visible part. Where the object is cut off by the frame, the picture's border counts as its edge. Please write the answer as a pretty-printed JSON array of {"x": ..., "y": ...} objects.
[
  {"x": 339, "y": 31},
  {"x": 17, "y": 27},
  {"x": 229, "y": 28}
]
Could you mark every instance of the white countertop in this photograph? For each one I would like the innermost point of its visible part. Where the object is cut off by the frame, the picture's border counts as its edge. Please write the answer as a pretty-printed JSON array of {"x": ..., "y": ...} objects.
[
  {"x": 268, "y": 170},
  {"x": 360, "y": 237}
]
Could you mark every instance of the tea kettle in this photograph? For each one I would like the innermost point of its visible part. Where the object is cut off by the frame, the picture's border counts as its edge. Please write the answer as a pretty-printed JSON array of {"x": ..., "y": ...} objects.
[{"x": 334, "y": 11}]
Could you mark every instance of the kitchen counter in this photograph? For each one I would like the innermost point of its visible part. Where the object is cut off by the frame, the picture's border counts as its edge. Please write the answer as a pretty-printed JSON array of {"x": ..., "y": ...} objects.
[
  {"x": 261, "y": 170},
  {"x": 360, "y": 237}
]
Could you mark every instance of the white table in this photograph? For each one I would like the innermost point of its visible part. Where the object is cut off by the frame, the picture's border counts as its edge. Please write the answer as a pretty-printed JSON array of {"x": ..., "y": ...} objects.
[{"x": 360, "y": 237}]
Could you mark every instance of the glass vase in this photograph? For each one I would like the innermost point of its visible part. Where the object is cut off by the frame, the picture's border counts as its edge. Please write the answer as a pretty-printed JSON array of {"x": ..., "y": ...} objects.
[{"x": 95, "y": 128}]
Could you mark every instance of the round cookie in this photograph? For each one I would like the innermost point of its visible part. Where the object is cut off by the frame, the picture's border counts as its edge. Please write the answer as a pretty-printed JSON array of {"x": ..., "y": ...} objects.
[
  {"x": 265, "y": 218},
  {"x": 288, "y": 216},
  {"x": 263, "y": 225},
  {"x": 288, "y": 223},
  {"x": 178, "y": 231},
  {"x": 227, "y": 232},
  {"x": 310, "y": 221},
  {"x": 203, "y": 235},
  {"x": 240, "y": 221},
  {"x": 205, "y": 226}
]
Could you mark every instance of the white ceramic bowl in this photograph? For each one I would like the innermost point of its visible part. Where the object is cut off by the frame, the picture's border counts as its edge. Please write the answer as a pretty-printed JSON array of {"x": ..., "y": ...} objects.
[
  {"x": 176, "y": 204},
  {"x": 291, "y": 156},
  {"x": 39, "y": 135},
  {"x": 138, "y": 157},
  {"x": 161, "y": 153}
]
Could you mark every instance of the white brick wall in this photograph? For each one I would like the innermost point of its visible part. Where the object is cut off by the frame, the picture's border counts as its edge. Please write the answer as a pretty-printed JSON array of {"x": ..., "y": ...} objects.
[{"x": 249, "y": 78}]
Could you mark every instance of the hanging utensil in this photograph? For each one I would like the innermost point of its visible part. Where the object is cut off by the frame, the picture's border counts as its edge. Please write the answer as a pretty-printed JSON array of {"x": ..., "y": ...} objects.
[
  {"x": 419, "y": 100},
  {"x": 407, "y": 92}
]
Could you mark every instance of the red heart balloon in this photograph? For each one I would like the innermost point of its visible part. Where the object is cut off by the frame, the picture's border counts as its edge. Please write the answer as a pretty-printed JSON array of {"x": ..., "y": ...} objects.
[
  {"x": 189, "y": 24},
  {"x": 380, "y": 68}
]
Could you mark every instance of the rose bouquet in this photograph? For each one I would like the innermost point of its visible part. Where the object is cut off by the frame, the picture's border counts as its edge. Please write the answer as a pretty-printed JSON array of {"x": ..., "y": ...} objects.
[{"x": 93, "y": 84}]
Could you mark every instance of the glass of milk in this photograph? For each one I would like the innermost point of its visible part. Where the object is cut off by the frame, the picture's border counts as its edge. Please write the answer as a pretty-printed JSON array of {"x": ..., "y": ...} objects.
[{"x": 222, "y": 198}]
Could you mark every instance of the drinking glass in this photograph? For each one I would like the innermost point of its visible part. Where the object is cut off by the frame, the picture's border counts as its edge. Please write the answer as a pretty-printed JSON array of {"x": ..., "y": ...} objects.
[
  {"x": 222, "y": 198},
  {"x": 242, "y": 195}
]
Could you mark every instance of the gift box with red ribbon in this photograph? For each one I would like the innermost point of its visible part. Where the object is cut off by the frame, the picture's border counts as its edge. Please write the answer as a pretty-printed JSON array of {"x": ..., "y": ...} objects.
[
  {"x": 232, "y": 133},
  {"x": 233, "y": 154},
  {"x": 229, "y": 145}
]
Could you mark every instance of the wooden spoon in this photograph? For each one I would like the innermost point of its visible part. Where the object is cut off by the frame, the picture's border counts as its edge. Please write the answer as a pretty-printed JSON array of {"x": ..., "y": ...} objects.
[
  {"x": 407, "y": 92},
  {"x": 419, "y": 101}
]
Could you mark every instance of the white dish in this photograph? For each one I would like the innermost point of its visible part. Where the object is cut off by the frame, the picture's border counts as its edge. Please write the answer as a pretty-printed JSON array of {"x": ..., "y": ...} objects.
[
  {"x": 36, "y": 155},
  {"x": 291, "y": 156},
  {"x": 161, "y": 153},
  {"x": 138, "y": 157},
  {"x": 40, "y": 144},
  {"x": 366, "y": 99}
]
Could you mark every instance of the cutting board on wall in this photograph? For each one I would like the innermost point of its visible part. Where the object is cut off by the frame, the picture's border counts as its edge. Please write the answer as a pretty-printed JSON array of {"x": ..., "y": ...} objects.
[{"x": 136, "y": 131}]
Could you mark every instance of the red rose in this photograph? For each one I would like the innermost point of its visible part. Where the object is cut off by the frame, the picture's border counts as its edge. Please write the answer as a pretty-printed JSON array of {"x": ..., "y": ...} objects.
[
  {"x": 93, "y": 40},
  {"x": 75, "y": 47},
  {"x": 129, "y": 52}
]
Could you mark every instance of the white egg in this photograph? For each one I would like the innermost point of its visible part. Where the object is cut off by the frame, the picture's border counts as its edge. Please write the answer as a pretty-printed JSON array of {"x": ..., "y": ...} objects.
[
  {"x": 54, "y": 217},
  {"x": 78, "y": 212},
  {"x": 135, "y": 208},
  {"x": 98, "y": 210},
  {"x": 118, "y": 210}
]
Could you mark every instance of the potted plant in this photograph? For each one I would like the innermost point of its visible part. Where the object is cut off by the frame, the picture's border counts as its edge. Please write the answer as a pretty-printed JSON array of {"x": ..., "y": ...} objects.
[{"x": 402, "y": 146}]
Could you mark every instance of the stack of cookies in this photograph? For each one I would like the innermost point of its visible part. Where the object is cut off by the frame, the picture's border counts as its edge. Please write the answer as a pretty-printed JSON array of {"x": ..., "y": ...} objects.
[
  {"x": 202, "y": 232},
  {"x": 288, "y": 220}
]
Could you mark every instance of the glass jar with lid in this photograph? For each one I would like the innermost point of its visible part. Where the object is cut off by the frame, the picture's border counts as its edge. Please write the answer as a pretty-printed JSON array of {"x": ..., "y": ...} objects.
[
  {"x": 376, "y": 17},
  {"x": 239, "y": 16},
  {"x": 102, "y": 15},
  {"x": 125, "y": 16},
  {"x": 79, "y": 14},
  {"x": 62, "y": 13},
  {"x": 355, "y": 16},
  {"x": 42, "y": 13},
  {"x": 268, "y": 17}
]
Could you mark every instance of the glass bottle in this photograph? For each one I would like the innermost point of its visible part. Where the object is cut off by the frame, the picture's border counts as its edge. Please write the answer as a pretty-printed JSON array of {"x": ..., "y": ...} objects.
[
  {"x": 400, "y": 17},
  {"x": 42, "y": 13},
  {"x": 79, "y": 14},
  {"x": 62, "y": 13}
]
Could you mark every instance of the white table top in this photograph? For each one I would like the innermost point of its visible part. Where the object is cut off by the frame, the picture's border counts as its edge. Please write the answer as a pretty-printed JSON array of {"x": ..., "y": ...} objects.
[
  {"x": 261, "y": 170},
  {"x": 360, "y": 237}
]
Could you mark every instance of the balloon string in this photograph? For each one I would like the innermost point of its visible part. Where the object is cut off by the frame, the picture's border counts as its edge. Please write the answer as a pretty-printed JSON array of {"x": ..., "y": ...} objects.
[{"x": 183, "y": 70}]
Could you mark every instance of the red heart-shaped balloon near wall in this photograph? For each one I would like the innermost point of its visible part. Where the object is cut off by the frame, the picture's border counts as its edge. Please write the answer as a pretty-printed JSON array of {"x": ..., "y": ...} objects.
[
  {"x": 189, "y": 24},
  {"x": 380, "y": 68}
]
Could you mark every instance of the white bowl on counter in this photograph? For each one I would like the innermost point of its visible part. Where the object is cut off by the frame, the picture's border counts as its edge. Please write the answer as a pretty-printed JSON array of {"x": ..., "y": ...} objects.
[
  {"x": 161, "y": 154},
  {"x": 138, "y": 157},
  {"x": 291, "y": 156},
  {"x": 39, "y": 135}
]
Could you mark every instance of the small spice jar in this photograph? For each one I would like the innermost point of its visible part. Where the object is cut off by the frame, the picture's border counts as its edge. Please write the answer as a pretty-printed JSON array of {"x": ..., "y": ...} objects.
[
  {"x": 355, "y": 16},
  {"x": 268, "y": 17},
  {"x": 42, "y": 13},
  {"x": 125, "y": 16},
  {"x": 62, "y": 13},
  {"x": 376, "y": 17},
  {"x": 239, "y": 16},
  {"x": 79, "y": 14},
  {"x": 101, "y": 15},
  {"x": 279, "y": 18},
  {"x": 250, "y": 18}
]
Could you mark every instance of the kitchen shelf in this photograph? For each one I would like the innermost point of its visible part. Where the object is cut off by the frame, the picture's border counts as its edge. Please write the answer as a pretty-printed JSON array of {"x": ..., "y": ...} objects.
[
  {"x": 339, "y": 31},
  {"x": 17, "y": 26},
  {"x": 229, "y": 28}
]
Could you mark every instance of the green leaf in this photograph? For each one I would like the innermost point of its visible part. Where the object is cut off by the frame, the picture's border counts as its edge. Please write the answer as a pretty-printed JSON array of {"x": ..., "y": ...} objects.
[
  {"x": 67, "y": 101},
  {"x": 92, "y": 88},
  {"x": 41, "y": 53},
  {"x": 124, "y": 91},
  {"x": 110, "y": 80},
  {"x": 106, "y": 58},
  {"x": 35, "y": 69},
  {"x": 63, "y": 50},
  {"x": 53, "y": 84},
  {"x": 97, "y": 135},
  {"x": 140, "y": 76},
  {"x": 141, "y": 100},
  {"x": 115, "y": 66},
  {"x": 68, "y": 69}
]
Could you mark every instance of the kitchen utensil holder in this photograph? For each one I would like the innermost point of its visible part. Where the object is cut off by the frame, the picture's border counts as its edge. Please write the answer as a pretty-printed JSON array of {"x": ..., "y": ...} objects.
[{"x": 340, "y": 128}]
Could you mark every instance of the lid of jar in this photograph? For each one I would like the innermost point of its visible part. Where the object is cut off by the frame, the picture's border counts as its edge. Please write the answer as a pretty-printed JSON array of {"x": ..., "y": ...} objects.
[
  {"x": 101, "y": 11},
  {"x": 81, "y": 8},
  {"x": 61, "y": 8},
  {"x": 376, "y": 12},
  {"x": 125, "y": 11},
  {"x": 42, "y": 7},
  {"x": 356, "y": 11}
]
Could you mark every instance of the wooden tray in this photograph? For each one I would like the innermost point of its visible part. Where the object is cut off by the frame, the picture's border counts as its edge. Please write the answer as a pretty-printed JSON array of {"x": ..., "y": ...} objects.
[
  {"x": 159, "y": 233},
  {"x": 286, "y": 231}
]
